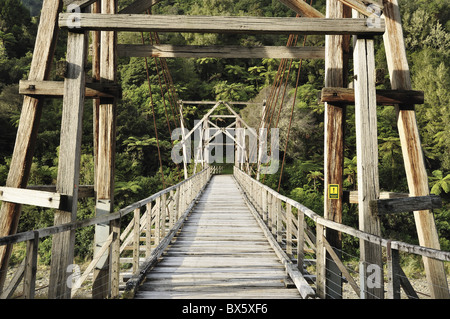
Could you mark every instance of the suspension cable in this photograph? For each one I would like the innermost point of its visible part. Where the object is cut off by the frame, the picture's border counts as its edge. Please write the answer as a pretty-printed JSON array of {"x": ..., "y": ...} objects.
[
  {"x": 154, "y": 116},
  {"x": 292, "y": 113}
]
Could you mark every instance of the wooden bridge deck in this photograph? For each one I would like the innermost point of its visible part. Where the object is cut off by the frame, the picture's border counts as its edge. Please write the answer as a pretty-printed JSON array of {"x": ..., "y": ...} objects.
[{"x": 221, "y": 252}]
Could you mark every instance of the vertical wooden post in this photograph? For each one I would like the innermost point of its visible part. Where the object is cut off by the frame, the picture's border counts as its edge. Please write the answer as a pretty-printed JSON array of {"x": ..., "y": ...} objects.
[
  {"x": 96, "y": 8},
  {"x": 279, "y": 221},
  {"x": 269, "y": 210},
  {"x": 300, "y": 239},
  {"x": 148, "y": 227},
  {"x": 198, "y": 148},
  {"x": 272, "y": 215},
  {"x": 367, "y": 152},
  {"x": 206, "y": 147},
  {"x": 411, "y": 147},
  {"x": 320, "y": 263},
  {"x": 164, "y": 214},
  {"x": 243, "y": 153},
  {"x": 22, "y": 157},
  {"x": 239, "y": 139},
  {"x": 191, "y": 191},
  {"x": 264, "y": 205},
  {"x": 180, "y": 207},
  {"x": 105, "y": 151},
  {"x": 170, "y": 209},
  {"x": 289, "y": 230},
  {"x": 260, "y": 199},
  {"x": 158, "y": 221},
  {"x": 393, "y": 264},
  {"x": 29, "y": 283},
  {"x": 136, "y": 239},
  {"x": 184, "y": 144},
  {"x": 335, "y": 76},
  {"x": 178, "y": 201},
  {"x": 177, "y": 204},
  {"x": 115, "y": 258},
  {"x": 184, "y": 196},
  {"x": 69, "y": 162}
]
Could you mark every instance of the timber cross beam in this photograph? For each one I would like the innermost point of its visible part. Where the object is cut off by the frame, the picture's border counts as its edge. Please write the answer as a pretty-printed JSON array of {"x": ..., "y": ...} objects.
[
  {"x": 216, "y": 51},
  {"x": 217, "y": 24},
  {"x": 34, "y": 197},
  {"x": 385, "y": 97},
  {"x": 56, "y": 89},
  {"x": 407, "y": 204}
]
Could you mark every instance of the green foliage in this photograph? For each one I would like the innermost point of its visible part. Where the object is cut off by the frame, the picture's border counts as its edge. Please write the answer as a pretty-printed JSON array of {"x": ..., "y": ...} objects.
[
  {"x": 15, "y": 23},
  {"x": 439, "y": 183},
  {"x": 350, "y": 172},
  {"x": 233, "y": 91},
  {"x": 309, "y": 198},
  {"x": 442, "y": 217}
]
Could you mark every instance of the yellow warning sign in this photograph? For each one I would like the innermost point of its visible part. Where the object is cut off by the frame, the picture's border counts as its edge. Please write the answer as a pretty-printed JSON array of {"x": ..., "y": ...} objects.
[{"x": 333, "y": 191}]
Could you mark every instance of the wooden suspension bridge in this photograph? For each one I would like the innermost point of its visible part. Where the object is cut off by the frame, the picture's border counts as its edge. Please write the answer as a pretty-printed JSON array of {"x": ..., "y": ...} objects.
[{"x": 212, "y": 235}]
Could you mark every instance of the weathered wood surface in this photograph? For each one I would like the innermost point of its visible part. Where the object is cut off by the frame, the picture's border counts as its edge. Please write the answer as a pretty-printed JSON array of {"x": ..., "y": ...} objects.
[
  {"x": 33, "y": 197},
  {"x": 352, "y": 196},
  {"x": 31, "y": 267},
  {"x": 336, "y": 66},
  {"x": 56, "y": 89},
  {"x": 29, "y": 123},
  {"x": 44, "y": 232},
  {"x": 69, "y": 162},
  {"x": 106, "y": 146},
  {"x": 83, "y": 190},
  {"x": 302, "y": 8},
  {"x": 219, "y": 24},
  {"x": 221, "y": 252},
  {"x": 416, "y": 173},
  {"x": 229, "y": 51},
  {"x": 295, "y": 276},
  {"x": 407, "y": 204},
  {"x": 387, "y": 97},
  {"x": 367, "y": 152},
  {"x": 366, "y": 7},
  {"x": 322, "y": 223}
]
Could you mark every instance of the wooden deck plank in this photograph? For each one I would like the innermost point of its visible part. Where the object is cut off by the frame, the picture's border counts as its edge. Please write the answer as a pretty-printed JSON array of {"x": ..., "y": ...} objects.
[
  {"x": 214, "y": 271},
  {"x": 221, "y": 252},
  {"x": 218, "y": 243},
  {"x": 221, "y": 293},
  {"x": 216, "y": 285}
]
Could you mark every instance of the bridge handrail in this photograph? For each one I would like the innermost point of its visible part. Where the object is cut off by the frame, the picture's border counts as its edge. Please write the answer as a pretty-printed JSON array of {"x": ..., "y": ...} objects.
[
  {"x": 47, "y": 231},
  {"x": 171, "y": 207},
  {"x": 394, "y": 244}
]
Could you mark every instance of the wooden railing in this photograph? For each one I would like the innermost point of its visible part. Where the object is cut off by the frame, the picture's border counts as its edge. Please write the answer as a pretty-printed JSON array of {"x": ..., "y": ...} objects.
[
  {"x": 286, "y": 220},
  {"x": 216, "y": 170},
  {"x": 158, "y": 217}
]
